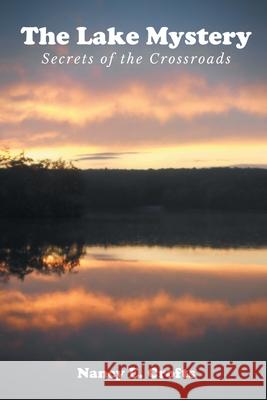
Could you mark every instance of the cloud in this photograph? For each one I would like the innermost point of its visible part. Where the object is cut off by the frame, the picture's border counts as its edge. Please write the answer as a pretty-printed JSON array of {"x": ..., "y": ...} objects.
[
  {"x": 184, "y": 109},
  {"x": 262, "y": 166},
  {"x": 184, "y": 316},
  {"x": 186, "y": 97},
  {"x": 103, "y": 156}
]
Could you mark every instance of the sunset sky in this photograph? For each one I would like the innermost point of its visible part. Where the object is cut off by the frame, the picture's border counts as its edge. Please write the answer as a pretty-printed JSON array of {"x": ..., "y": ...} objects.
[{"x": 135, "y": 116}]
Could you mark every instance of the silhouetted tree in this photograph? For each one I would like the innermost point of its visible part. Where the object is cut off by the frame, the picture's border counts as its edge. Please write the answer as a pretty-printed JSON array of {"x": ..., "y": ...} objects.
[{"x": 43, "y": 188}]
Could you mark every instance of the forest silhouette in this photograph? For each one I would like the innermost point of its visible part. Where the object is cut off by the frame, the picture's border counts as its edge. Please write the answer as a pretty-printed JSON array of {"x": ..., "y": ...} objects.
[{"x": 52, "y": 189}]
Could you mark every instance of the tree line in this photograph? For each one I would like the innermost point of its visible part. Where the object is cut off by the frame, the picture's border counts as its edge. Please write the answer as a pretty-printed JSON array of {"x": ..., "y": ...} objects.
[
  {"x": 43, "y": 188},
  {"x": 224, "y": 189},
  {"x": 48, "y": 188}
]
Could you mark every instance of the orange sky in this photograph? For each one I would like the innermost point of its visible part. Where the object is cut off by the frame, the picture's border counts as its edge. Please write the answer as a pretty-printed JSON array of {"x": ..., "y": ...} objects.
[
  {"x": 135, "y": 116},
  {"x": 60, "y": 114}
]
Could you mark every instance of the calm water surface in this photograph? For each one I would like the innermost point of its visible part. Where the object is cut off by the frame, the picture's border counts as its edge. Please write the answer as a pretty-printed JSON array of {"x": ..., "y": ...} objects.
[{"x": 134, "y": 287}]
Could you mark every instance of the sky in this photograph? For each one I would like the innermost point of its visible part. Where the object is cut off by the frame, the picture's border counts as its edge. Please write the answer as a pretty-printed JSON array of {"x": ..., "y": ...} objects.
[{"x": 135, "y": 116}]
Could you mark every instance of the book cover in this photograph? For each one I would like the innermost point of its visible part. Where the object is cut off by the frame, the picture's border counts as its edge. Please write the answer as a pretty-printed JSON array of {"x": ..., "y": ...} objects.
[{"x": 133, "y": 199}]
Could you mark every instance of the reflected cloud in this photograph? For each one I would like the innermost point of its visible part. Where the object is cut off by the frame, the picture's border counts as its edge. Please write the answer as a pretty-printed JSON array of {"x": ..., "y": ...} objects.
[
  {"x": 106, "y": 257},
  {"x": 189, "y": 259},
  {"x": 182, "y": 317}
]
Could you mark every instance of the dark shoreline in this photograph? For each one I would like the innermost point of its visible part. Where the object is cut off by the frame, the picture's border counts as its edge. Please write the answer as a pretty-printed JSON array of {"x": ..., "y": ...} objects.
[
  {"x": 30, "y": 192},
  {"x": 168, "y": 229}
]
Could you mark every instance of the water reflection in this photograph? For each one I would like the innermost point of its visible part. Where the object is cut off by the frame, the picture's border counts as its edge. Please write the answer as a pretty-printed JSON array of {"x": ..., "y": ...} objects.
[
  {"x": 23, "y": 260},
  {"x": 183, "y": 316},
  {"x": 67, "y": 292}
]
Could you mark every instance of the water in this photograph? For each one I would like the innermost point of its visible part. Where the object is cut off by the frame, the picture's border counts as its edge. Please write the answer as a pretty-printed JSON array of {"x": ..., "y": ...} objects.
[{"x": 134, "y": 287}]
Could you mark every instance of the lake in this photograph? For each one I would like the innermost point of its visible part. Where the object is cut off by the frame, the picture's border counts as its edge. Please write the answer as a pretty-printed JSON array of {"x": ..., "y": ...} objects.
[{"x": 140, "y": 286}]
